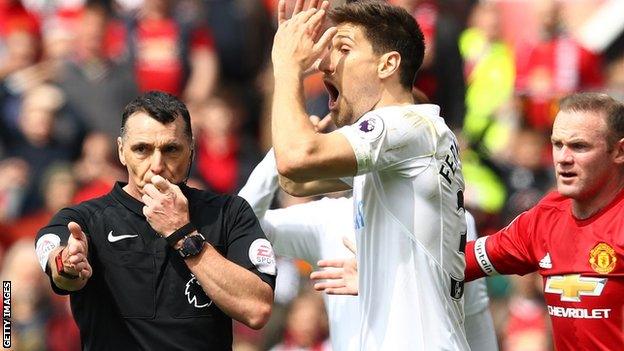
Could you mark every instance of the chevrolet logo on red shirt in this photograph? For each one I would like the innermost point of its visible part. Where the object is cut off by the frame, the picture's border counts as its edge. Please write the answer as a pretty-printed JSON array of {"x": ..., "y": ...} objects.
[{"x": 572, "y": 287}]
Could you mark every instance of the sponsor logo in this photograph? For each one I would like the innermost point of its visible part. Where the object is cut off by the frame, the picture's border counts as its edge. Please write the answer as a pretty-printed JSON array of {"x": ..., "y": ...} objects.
[
  {"x": 195, "y": 295},
  {"x": 602, "y": 258},
  {"x": 571, "y": 287},
  {"x": 46, "y": 244},
  {"x": 113, "y": 239},
  {"x": 545, "y": 262},
  {"x": 371, "y": 127},
  {"x": 261, "y": 255},
  {"x": 579, "y": 313}
]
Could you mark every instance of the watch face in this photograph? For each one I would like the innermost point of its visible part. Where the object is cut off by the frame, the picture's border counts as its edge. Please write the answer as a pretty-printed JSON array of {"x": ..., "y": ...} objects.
[{"x": 192, "y": 245}]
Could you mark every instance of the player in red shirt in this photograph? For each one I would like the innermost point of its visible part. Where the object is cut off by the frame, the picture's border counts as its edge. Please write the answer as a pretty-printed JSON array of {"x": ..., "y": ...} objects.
[{"x": 574, "y": 237}]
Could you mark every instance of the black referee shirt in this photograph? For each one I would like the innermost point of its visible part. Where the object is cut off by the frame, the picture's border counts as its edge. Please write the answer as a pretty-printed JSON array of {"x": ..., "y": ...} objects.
[{"x": 142, "y": 295}]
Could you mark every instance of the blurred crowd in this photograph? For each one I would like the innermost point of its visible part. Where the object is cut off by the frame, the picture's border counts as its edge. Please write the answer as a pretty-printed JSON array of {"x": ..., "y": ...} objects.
[{"x": 67, "y": 68}]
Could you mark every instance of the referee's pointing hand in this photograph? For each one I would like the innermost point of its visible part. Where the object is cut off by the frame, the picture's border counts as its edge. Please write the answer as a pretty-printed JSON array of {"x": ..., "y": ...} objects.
[
  {"x": 166, "y": 208},
  {"x": 76, "y": 252}
]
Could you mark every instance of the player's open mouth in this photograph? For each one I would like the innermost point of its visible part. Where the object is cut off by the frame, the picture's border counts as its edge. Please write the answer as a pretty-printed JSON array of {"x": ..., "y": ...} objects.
[
  {"x": 567, "y": 175},
  {"x": 333, "y": 94}
]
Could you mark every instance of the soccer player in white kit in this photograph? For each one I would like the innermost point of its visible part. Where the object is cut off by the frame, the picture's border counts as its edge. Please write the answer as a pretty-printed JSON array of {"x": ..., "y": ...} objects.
[
  {"x": 408, "y": 188},
  {"x": 314, "y": 231}
]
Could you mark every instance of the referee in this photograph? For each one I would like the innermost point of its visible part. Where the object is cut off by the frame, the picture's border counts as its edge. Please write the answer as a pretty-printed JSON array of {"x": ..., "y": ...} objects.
[{"x": 155, "y": 264}]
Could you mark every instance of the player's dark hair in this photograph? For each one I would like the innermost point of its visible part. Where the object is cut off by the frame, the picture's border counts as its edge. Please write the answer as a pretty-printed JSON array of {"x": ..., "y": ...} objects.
[
  {"x": 163, "y": 107},
  {"x": 604, "y": 104},
  {"x": 388, "y": 28}
]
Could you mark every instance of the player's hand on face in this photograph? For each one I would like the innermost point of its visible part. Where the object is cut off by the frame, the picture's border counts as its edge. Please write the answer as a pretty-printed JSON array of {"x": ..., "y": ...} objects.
[
  {"x": 76, "y": 252},
  {"x": 295, "y": 46},
  {"x": 166, "y": 208},
  {"x": 340, "y": 276}
]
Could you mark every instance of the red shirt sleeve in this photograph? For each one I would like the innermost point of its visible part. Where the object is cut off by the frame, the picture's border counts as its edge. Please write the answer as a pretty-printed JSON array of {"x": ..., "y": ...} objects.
[{"x": 505, "y": 252}]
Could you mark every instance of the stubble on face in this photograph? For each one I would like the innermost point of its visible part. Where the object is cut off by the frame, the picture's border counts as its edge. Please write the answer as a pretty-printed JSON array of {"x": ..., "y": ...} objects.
[
  {"x": 354, "y": 75},
  {"x": 582, "y": 158},
  {"x": 149, "y": 147}
]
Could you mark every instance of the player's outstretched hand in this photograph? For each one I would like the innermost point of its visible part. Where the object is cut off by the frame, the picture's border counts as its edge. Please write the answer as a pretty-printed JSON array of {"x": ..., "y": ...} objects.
[
  {"x": 166, "y": 208},
  {"x": 76, "y": 252},
  {"x": 340, "y": 276},
  {"x": 295, "y": 46}
]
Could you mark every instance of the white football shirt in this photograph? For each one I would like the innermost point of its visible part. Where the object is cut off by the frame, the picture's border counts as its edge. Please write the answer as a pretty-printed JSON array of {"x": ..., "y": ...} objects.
[
  {"x": 410, "y": 226},
  {"x": 314, "y": 231}
]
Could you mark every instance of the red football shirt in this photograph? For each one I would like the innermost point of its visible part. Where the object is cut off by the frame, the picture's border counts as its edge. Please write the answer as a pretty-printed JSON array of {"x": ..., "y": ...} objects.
[{"x": 581, "y": 262}]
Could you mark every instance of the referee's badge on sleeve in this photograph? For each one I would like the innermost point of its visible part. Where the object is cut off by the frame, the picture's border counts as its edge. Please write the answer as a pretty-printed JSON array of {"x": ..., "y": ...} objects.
[
  {"x": 261, "y": 255},
  {"x": 370, "y": 127},
  {"x": 45, "y": 245}
]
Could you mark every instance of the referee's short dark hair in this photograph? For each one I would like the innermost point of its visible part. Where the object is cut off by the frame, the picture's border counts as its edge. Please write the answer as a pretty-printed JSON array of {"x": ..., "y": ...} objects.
[
  {"x": 163, "y": 107},
  {"x": 388, "y": 28}
]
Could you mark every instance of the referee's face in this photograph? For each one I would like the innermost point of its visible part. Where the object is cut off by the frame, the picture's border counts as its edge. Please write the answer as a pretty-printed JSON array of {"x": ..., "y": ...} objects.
[{"x": 150, "y": 148}]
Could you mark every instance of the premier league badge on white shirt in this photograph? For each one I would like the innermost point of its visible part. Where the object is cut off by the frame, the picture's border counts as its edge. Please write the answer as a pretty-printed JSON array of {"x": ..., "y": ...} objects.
[{"x": 371, "y": 127}]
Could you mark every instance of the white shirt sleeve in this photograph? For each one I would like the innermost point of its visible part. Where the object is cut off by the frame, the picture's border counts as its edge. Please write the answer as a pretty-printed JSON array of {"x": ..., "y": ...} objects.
[
  {"x": 478, "y": 323},
  {"x": 382, "y": 143},
  {"x": 295, "y": 231},
  {"x": 261, "y": 185}
]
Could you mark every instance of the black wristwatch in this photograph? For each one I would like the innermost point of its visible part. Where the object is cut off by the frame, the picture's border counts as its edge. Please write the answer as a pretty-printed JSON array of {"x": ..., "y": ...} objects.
[{"x": 192, "y": 245}]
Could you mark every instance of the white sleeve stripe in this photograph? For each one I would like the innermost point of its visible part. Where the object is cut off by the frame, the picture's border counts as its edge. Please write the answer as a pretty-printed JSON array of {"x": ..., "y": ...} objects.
[{"x": 482, "y": 257}]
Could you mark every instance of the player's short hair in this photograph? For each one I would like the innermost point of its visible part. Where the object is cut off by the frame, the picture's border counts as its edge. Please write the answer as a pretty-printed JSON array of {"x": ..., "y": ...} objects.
[
  {"x": 388, "y": 28},
  {"x": 610, "y": 108},
  {"x": 163, "y": 107}
]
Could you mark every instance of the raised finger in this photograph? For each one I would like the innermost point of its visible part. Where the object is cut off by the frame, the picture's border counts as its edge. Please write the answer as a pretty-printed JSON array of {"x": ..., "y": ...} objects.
[
  {"x": 147, "y": 200},
  {"x": 298, "y": 7},
  {"x": 313, "y": 3},
  {"x": 327, "y": 285},
  {"x": 151, "y": 191},
  {"x": 161, "y": 183},
  {"x": 337, "y": 263},
  {"x": 316, "y": 22},
  {"x": 327, "y": 274},
  {"x": 75, "y": 230},
  {"x": 324, "y": 40},
  {"x": 340, "y": 291},
  {"x": 324, "y": 123},
  {"x": 281, "y": 11}
]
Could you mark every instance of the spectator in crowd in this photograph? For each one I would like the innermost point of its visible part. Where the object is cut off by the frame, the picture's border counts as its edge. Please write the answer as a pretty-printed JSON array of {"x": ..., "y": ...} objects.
[
  {"x": 441, "y": 77},
  {"x": 552, "y": 67},
  {"x": 36, "y": 141},
  {"x": 14, "y": 177},
  {"x": 94, "y": 85},
  {"x": 58, "y": 189},
  {"x": 95, "y": 170},
  {"x": 306, "y": 325},
  {"x": 490, "y": 73},
  {"x": 170, "y": 54},
  {"x": 225, "y": 155}
]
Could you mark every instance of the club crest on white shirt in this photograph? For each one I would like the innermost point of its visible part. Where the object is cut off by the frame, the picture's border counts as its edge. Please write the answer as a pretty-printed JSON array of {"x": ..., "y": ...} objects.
[
  {"x": 45, "y": 245},
  {"x": 370, "y": 127},
  {"x": 262, "y": 256}
]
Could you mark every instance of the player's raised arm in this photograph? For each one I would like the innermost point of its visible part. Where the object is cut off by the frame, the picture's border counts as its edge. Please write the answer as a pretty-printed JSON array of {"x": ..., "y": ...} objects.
[{"x": 302, "y": 154}]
